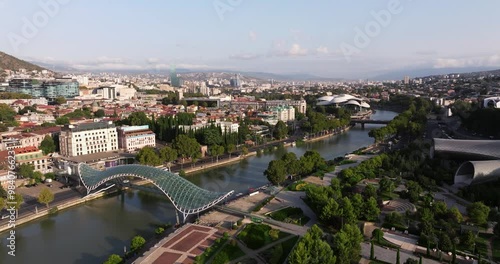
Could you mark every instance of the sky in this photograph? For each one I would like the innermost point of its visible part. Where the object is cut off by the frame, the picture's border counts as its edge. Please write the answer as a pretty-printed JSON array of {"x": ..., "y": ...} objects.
[{"x": 337, "y": 39}]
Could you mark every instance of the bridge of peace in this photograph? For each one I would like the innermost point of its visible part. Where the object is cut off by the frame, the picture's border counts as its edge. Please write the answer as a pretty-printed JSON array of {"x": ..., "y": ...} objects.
[{"x": 186, "y": 197}]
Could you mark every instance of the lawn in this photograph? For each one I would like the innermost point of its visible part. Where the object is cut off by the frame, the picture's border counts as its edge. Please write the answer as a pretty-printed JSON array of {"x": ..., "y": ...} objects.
[
  {"x": 291, "y": 215},
  {"x": 385, "y": 243},
  {"x": 210, "y": 251},
  {"x": 482, "y": 244},
  {"x": 496, "y": 249},
  {"x": 229, "y": 252},
  {"x": 278, "y": 253},
  {"x": 256, "y": 236}
]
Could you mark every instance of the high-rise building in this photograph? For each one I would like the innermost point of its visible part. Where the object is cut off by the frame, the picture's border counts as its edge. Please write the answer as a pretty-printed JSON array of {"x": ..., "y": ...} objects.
[
  {"x": 236, "y": 82},
  {"x": 175, "y": 81},
  {"x": 407, "y": 80},
  {"x": 88, "y": 138},
  {"x": 132, "y": 138},
  {"x": 65, "y": 87}
]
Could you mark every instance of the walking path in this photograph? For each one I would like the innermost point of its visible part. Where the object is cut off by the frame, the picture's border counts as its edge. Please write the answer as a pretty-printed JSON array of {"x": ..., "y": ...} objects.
[{"x": 255, "y": 253}]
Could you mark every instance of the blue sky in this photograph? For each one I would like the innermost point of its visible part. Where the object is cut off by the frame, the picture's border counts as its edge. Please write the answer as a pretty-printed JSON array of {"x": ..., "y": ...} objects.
[{"x": 275, "y": 36}]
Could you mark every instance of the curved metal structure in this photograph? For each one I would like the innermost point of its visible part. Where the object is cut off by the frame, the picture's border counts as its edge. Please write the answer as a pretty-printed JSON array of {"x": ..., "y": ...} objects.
[
  {"x": 186, "y": 197},
  {"x": 466, "y": 149},
  {"x": 475, "y": 172}
]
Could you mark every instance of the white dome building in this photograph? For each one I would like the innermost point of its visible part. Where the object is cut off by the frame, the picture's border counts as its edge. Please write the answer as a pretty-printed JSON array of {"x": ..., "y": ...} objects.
[{"x": 344, "y": 100}]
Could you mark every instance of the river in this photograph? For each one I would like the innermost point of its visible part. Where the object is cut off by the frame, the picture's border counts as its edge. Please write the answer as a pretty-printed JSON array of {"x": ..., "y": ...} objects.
[{"x": 89, "y": 233}]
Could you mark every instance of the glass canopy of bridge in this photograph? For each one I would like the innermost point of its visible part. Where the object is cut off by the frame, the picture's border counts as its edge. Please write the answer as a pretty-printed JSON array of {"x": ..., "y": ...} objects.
[{"x": 186, "y": 197}]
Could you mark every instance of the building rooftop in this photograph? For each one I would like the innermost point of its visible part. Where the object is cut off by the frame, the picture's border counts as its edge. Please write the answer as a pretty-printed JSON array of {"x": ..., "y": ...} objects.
[
  {"x": 24, "y": 150},
  {"x": 88, "y": 126}
]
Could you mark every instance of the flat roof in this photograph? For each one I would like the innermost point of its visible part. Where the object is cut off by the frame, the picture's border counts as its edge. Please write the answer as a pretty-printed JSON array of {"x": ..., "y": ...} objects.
[{"x": 99, "y": 156}]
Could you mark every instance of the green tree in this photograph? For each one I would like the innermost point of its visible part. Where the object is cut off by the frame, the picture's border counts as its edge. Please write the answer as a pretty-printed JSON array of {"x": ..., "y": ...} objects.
[
  {"x": 45, "y": 196},
  {"x": 370, "y": 192},
  {"x": 347, "y": 244},
  {"x": 468, "y": 239},
  {"x": 187, "y": 147},
  {"x": 62, "y": 120},
  {"x": 244, "y": 151},
  {"x": 60, "y": 100},
  {"x": 216, "y": 150},
  {"x": 386, "y": 186},
  {"x": 99, "y": 113},
  {"x": 478, "y": 213},
  {"x": 280, "y": 130},
  {"x": 47, "y": 145},
  {"x": 372, "y": 251},
  {"x": 455, "y": 215},
  {"x": 3, "y": 192},
  {"x": 292, "y": 163},
  {"x": 114, "y": 259},
  {"x": 137, "y": 243},
  {"x": 16, "y": 200},
  {"x": 7, "y": 114},
  {"x": 496, "y": 230},
  {"x": 312, "y": 249},
  {"x": 276, "y": 172},
  {"x": 212, "y": 136},
  {"x": 148, "y": 156},
  {"x": 378, "y": 234},
  {"x": 138, "y": 119},
  {"x": 371, "y": 211},
  {"x": 2, "y": 203},
  {"x": 230, "y": 149},
  {"x": 168, "y": 155},
  {"x": 26, "y": 170}
]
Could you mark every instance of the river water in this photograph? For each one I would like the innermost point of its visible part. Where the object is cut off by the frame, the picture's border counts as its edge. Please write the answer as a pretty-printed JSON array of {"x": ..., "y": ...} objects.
[{"x": 89, "y": 233}]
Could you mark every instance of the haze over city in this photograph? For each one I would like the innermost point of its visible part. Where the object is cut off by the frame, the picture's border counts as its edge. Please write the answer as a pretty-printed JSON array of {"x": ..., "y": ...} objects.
[{"x": 297, "y": 37}]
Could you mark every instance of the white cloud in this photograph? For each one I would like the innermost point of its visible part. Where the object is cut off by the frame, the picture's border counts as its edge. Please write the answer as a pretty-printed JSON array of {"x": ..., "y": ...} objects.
[
  {"x": 322, "y": 50},
  {"x": 252, "y": 35},
  {"x": 281, "y": 49},
  {"x": 244, "y": 56},
  {"x": 153, "y": 60},
  {"x": 105, "y": 59},
  {"x": 485, "y": 61},
  {"x": 296, "y": 50}
]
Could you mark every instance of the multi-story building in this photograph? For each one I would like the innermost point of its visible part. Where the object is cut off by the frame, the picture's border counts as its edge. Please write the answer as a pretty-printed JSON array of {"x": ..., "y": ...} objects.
[
  {"x": 132, "y": 138},
  {"x": 88, "y": 138},
  {"x": 65, "y": 87},
  {"x": 284, "y": 113},
  {"x": 21, "y": 140},
  {"x": 34, "y": 156}
]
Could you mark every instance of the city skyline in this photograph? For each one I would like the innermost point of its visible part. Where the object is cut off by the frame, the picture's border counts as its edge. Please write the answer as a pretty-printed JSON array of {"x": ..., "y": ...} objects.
[{"x": 341, "y": 40}]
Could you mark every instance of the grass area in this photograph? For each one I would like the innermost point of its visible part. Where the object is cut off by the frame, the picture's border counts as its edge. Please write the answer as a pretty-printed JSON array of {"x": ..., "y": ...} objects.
[
  {"x": 211, "y": 251},
  {"x": 266, "y": 201},
  {"x": 229, "y": 252},
  {"x": 384, "y": 243},
  {"x": 291, "y": 215},
  {"x": 482, "y": 243},
  {"x": 298, "y": 186},
  {"x": 496, "y": 249},
  {"x": 278, "y": 253},
  {"x": 256, "y": 236},
  {"x": 378, "y": 262}
]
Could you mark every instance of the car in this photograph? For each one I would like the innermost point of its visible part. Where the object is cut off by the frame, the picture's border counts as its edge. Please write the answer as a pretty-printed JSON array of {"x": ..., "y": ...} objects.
[{"x": 126, "y": 181}]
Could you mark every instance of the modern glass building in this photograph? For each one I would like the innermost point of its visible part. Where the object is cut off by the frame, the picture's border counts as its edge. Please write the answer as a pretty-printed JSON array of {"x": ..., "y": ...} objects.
[{"x": 67, "y": 88}]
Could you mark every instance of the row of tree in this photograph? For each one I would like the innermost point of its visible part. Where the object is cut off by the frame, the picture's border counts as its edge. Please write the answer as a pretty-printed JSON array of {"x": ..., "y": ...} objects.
[
  {"x": 277, "y": 170},
  {"x": 409, "y": 123},
  {"x": 314, "y": 248}
]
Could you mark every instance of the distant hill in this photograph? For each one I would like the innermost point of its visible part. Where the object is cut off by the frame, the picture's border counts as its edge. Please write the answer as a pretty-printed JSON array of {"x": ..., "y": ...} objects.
[
  {"x": 8, "y": 62},
  {"x": 427, "y": 72}
]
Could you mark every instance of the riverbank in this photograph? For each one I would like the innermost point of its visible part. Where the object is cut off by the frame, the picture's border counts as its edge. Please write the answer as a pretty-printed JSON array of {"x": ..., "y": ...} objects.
[{"x": 43, "y": 211}]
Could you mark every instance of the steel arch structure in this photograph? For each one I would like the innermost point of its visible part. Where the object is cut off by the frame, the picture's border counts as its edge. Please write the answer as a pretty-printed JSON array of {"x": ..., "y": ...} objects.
[{"x": 186, "y": 197}]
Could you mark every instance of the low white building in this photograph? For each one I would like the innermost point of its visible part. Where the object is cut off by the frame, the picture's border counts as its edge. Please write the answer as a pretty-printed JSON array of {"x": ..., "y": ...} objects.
[
  {"x": 132, "y": 138},
  {"x": 88, "y": 138}
]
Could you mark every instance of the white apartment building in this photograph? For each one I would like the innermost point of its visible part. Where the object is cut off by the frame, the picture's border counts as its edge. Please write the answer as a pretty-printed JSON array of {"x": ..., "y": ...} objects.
[
  {"x": 132, "y": 138},
  {"x": 88, "y": 138},
  {"x": 284, "y": 113}
]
